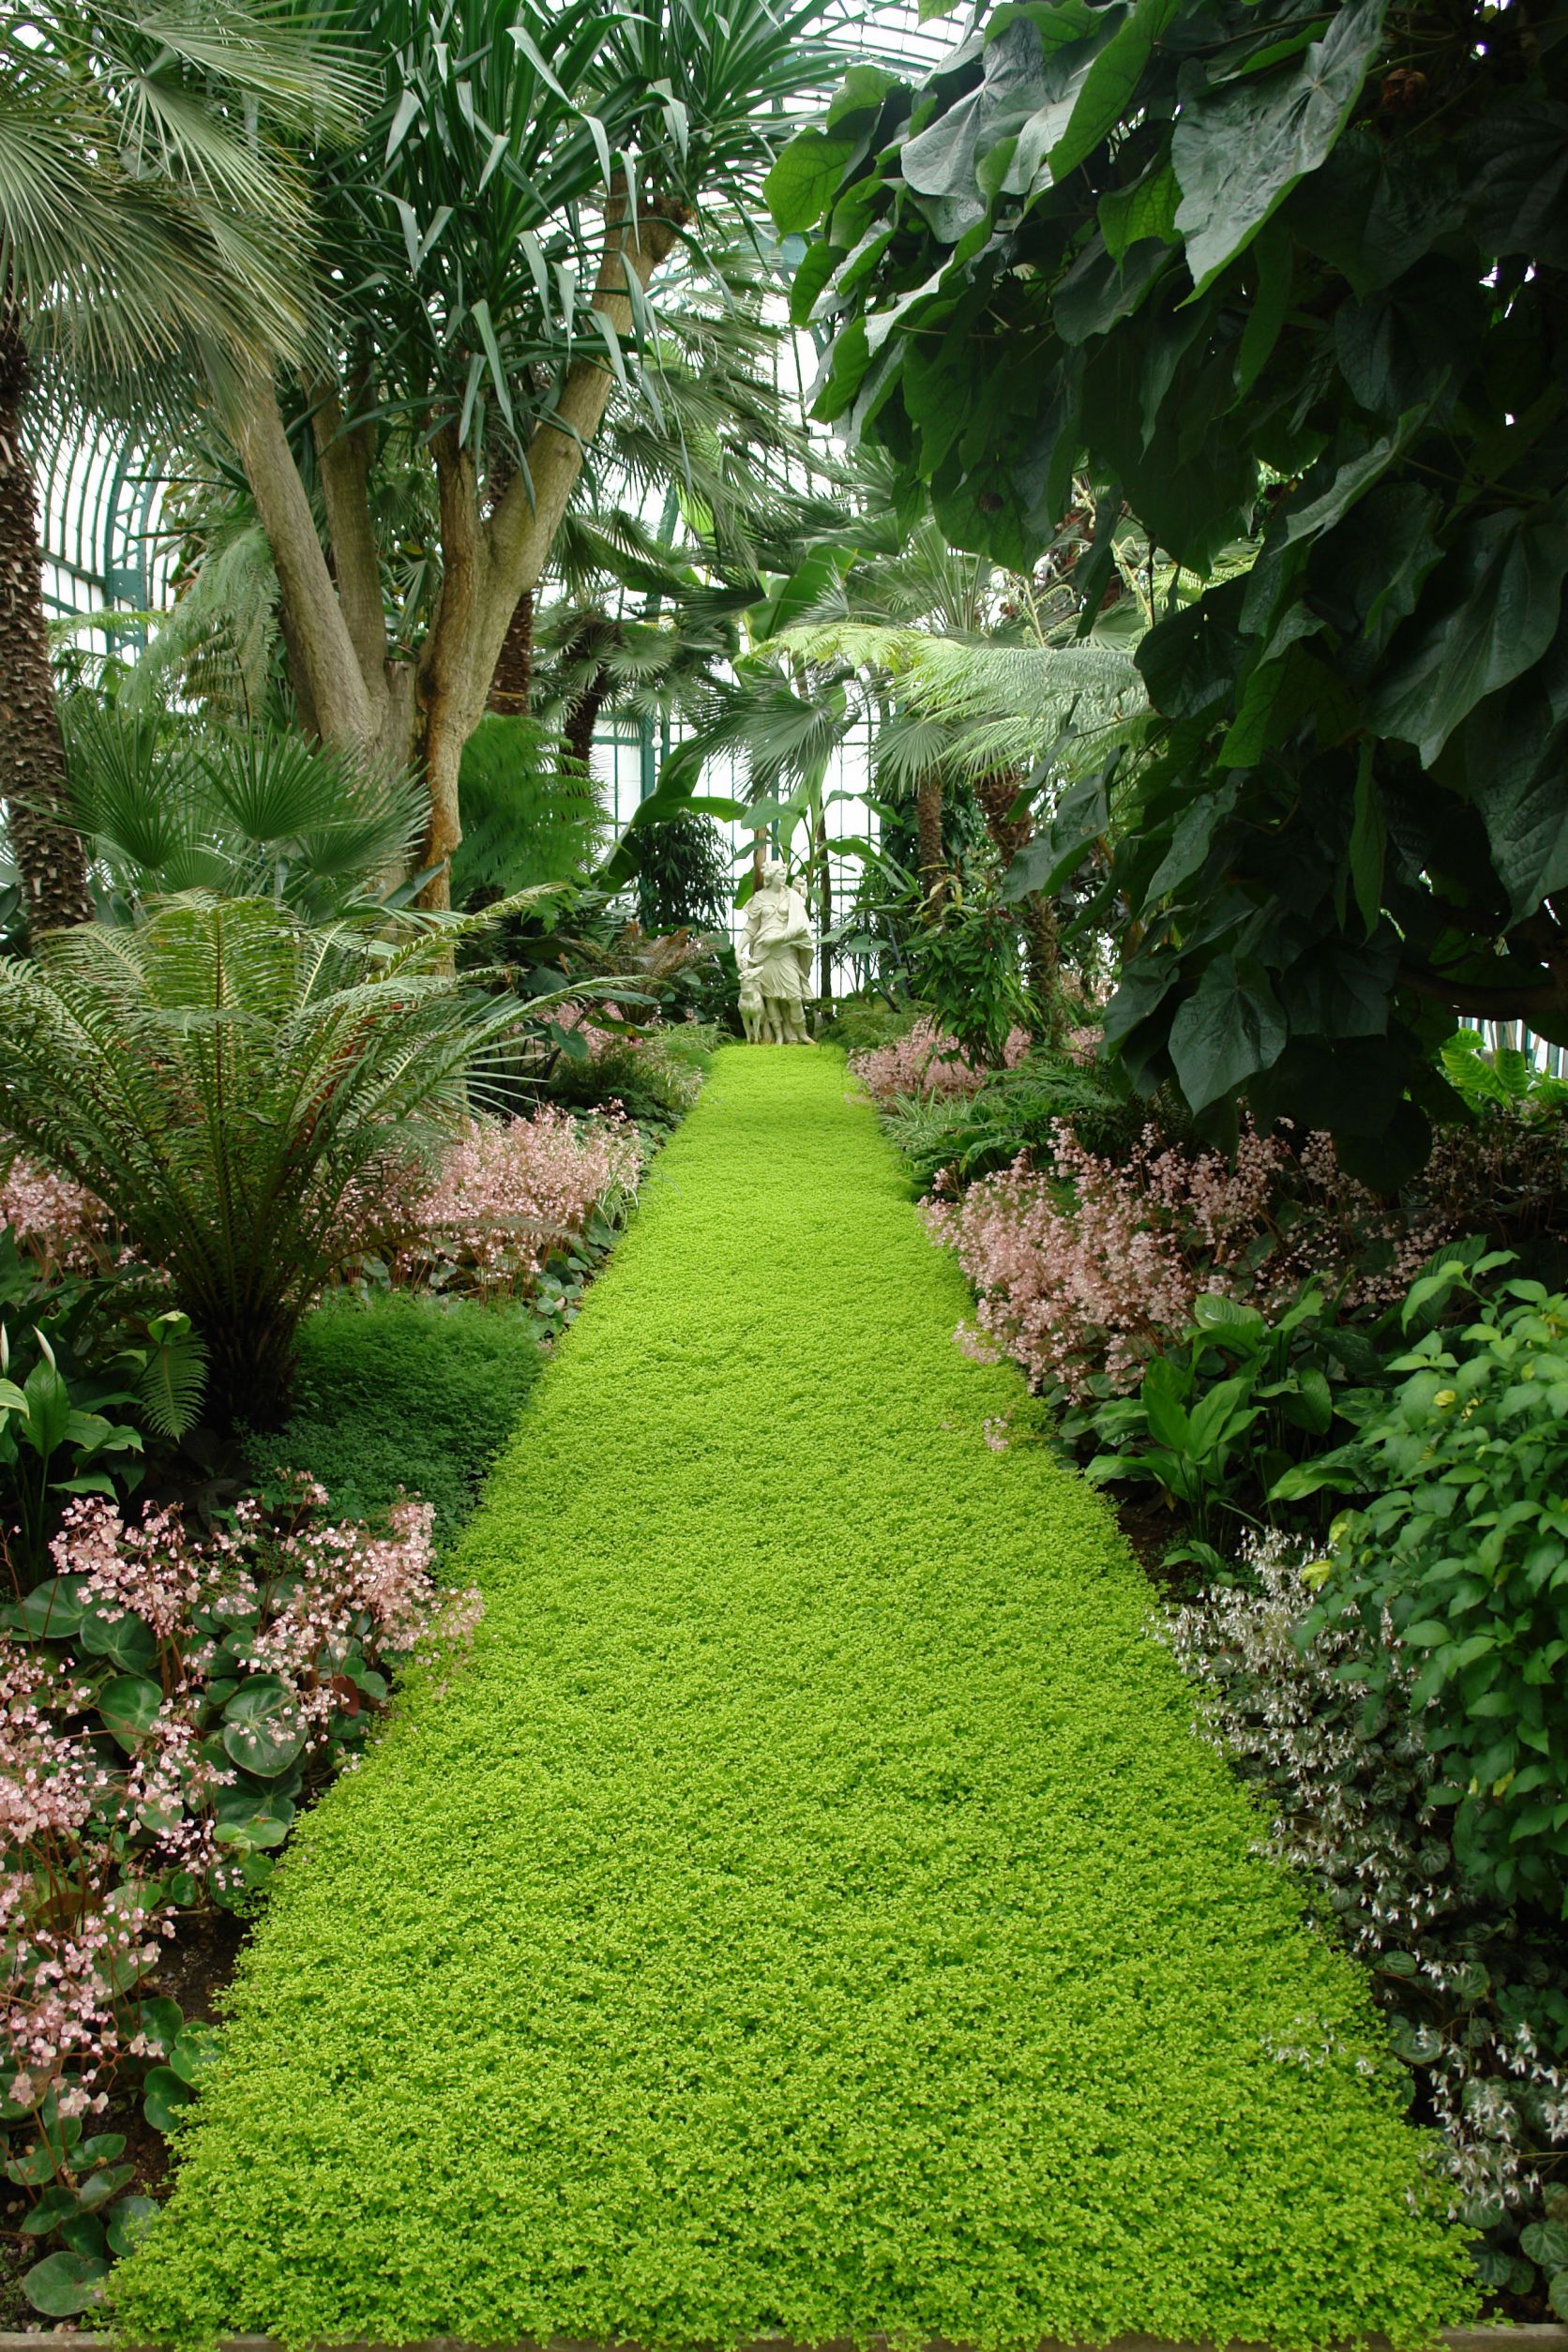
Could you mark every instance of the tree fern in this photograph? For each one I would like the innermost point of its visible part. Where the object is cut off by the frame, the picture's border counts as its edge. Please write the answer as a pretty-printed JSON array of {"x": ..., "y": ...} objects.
[{"x": 243, "y": 1091}]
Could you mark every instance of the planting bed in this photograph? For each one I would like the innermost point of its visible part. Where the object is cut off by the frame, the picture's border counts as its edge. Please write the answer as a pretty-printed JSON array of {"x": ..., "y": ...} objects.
[{"x": 809, "y": 1912}]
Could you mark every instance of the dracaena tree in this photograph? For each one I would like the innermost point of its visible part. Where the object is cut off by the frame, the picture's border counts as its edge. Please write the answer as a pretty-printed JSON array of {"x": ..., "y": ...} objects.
[
  {"x": 488, "y": 252},
  {"x": 150, "y": 223},
  {"x": 1297, "y": 275}
]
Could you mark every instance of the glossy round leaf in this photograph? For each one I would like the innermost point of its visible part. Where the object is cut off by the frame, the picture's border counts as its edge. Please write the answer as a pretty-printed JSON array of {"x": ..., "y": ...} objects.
[
  {"x": 196, "y": 2048},
  {"x": 125, "y": 1641},
  {"x": 262, "y": 1730},
  {"x": 129, "y": 1704},
  {"x": 101, "y": 2187},
  {"x": 163, "y": 2096},
  {"x": 64, "y": 2283},
  {"x": 83, "y": 2234},
  {"x": 158, "y": 2021},
  {"x": 52, "y": 1609},
  {"x": 129, "y": 2222}
]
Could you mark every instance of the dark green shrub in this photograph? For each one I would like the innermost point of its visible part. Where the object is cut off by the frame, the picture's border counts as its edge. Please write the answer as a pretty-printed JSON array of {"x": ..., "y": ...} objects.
[
  {"x": 1463, "y": 1552},
  {"x": 1222, "y": 1416},
  {"x": 861, "y": 1023},
  {"x": 99, "y": 1377},
  {"x": 966, "y": 967},
  {"x": 683, "y": 879},
  {"x": 401, "y": 1390},
  {"x": 654, "y": 1077},
  {"x": 1015, "y": 1111}
]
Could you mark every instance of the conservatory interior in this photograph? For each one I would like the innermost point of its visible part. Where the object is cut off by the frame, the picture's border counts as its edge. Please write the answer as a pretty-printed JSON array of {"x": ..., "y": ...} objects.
[{"x": 784, "y": 1174}]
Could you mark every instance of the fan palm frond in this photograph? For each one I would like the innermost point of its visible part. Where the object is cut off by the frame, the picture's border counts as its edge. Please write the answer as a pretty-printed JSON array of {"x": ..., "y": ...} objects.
[{"x": 240, "y": 811}]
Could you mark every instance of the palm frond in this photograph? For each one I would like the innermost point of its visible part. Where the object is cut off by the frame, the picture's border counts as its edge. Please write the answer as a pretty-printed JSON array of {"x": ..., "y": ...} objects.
[{"x": 168, "y": 808}]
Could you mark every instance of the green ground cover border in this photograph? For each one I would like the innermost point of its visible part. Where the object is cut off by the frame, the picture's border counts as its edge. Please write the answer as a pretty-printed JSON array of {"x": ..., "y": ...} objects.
[
  {"x": 400, "y": 1391},
  {"x": 809, "y": 1912}
]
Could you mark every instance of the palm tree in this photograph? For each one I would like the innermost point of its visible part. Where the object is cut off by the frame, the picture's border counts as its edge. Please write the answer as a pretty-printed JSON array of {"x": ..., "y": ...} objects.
[
  {"x": 147, "y": 217},
  {"x": 970, "y": 680}
]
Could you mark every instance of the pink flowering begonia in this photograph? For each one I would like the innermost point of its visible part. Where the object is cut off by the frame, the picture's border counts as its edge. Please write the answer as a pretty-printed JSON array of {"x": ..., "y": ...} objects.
[
  {"x": 511, "y": 1193},
  {"x": 56, "y": 1221},
  {"x": 1087, "y": 1273},
  {"x": 86, "y": 1835},
  {"x": 926, "y": 1061}
]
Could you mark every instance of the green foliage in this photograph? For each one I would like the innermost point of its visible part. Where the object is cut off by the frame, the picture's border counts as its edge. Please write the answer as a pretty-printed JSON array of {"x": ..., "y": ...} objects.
[
  {"x": 51, "y": 1447},
  {"x": 1014, "y": 1111},
  {"x": 468, "y": 220},
  {"x": 861, "y": 1023},
  {"x": 819, "y": 1833},
  {"x": 965, "y": 966},
  {"x": 240, "y": 1090},
  {"x": 1503, "y": 1079},
  {"x": 398, "y": 1391},
  {"x": 1244, "y": 272},
  {"x": 654, "y": 1076},
  {"x": 1463, "y": 1547},
  {"x": 683, "y": 879},
  {"x": 1220, "y": 1418},
  {"x": 1474, "y": 1992},
  {"x": 88, "y": 1378},
  {"x": 527, "y": 818},
  {"x": 242, "y": 812},
  {"x": 144, "y": 207}
]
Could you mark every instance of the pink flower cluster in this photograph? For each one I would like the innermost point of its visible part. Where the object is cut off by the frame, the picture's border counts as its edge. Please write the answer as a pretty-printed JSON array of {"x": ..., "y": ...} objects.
[
  {"x": 301, "y": 1599},
  {"x": 926, "y": 1061},
  {"x": 56, "y": 1221},
  {"x": 513, "y": 1192},
  {"x": 1093, "y": 1269}
]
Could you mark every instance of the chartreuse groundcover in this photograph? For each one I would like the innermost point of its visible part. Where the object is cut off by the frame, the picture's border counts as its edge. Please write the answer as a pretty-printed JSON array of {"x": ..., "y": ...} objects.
[{"x": 809, "y": 1910}]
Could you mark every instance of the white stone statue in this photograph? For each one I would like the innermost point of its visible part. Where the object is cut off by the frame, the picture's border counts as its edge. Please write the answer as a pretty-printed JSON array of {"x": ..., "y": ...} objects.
[
  {"x": 752, "y": 1011},
  {"x": 775, "y": 962}
]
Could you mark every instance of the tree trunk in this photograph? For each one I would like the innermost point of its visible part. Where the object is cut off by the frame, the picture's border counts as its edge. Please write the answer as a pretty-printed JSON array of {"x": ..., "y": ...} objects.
[
  {"x": 583, "y": 718},
  {"x": 251, "y": 1362},
  {"x": 927, "y": 827},
  {"x": 49, "y": 854},
  {"x": 345, "y": 702},
  {"x": 997, "y": 795},
  {"x": 512, "y": 687},
  {"x": 824, "y": 920},
  {"x": 491, "y": 563}
]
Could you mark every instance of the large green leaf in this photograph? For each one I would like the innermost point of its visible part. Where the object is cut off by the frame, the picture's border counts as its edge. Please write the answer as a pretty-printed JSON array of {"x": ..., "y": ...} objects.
[
  {"x": 165, "y": 2098},
  {"x": 129, "y": 1704},
  {"x": 1108, "y": 87},
  {"x": 1190, "y": 840},
  {"x": 54, "y": 1609},
  {"x": 62, "y": 2285},
  {"x": 1489, "y": 615},
  {"x": 127, "y": 1642},
  {"x": 803, "y": 180},
  {"x": 1047, "y": 859},
  {"x": 1227, "y": 1030},
  {"x": 1146, "y": 210},
  {"x": 1514, "y": 754},
  {"x": 1239, "y": 151}
]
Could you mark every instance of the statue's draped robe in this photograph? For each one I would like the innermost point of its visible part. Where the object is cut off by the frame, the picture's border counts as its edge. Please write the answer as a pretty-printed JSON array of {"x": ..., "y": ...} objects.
[{"x": 778, "y": 945}]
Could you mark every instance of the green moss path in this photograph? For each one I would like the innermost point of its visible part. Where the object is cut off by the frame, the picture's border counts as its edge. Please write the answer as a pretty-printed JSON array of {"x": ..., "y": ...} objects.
[{"x": 809, "y": 1912}]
